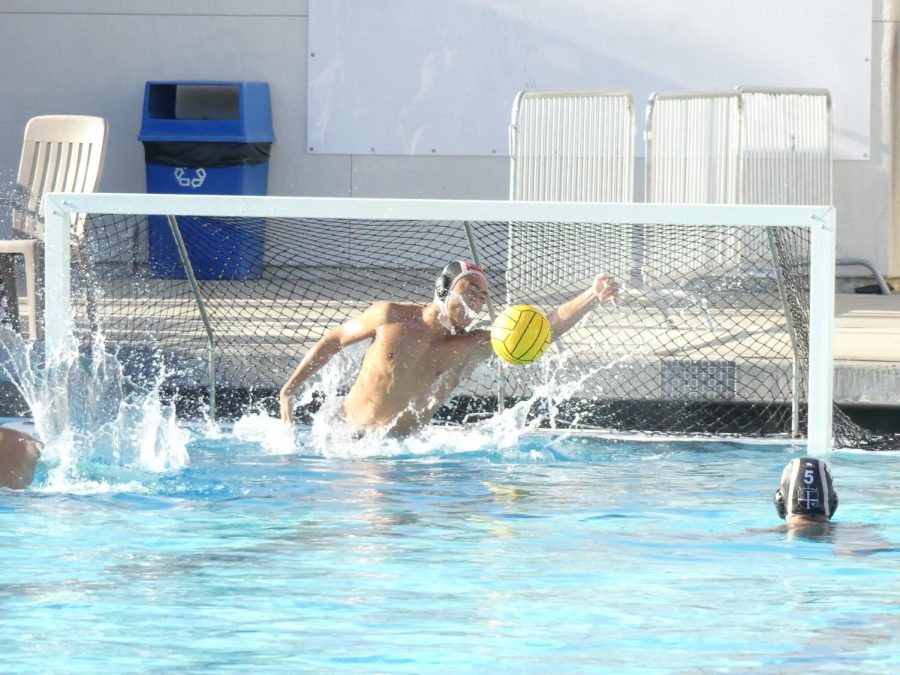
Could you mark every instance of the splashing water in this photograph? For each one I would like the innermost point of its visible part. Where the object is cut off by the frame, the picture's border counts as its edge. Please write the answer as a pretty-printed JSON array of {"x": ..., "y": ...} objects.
[
  {"x": 499, "y": 434},
  {"x": 99, "y": 427},
  {"x": 96, "y": 424}
]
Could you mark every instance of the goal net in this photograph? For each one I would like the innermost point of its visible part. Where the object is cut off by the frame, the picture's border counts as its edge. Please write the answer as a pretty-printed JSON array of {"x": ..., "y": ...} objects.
[{"x": 224, "y": 296}]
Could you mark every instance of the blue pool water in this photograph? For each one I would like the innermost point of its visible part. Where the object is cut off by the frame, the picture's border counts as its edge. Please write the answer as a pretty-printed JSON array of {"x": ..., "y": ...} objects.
[{"x": 450, "y": 552}]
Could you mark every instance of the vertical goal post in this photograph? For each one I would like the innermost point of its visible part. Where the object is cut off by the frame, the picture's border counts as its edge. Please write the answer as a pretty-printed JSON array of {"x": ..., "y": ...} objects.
[{"x": 60, "y": 208}]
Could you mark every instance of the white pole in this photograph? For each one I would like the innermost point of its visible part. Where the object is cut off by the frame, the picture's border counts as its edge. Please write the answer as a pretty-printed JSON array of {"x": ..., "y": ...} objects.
[
  {"x": 57, "y": 281},
  {"x": 821, "y": 327}
]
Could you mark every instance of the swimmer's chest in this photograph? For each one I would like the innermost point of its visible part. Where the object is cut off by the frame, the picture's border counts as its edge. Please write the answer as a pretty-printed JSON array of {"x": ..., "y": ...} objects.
[{"x": 401, "y": 347}]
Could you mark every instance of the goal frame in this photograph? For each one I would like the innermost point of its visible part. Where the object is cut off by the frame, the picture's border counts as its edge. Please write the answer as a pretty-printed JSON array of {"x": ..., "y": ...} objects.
[{"x": 61, "y": 208}]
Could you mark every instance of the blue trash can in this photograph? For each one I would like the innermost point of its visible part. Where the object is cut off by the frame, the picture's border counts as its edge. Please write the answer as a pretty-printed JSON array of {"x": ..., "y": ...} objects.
[{"x": 210, "y": 138}]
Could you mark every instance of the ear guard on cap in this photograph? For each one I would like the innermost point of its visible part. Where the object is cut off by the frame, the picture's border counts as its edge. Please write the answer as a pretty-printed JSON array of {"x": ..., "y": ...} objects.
[
  {"x": 450, "y": 275},
  {"x": 778, "y": 498},
  {"x": 445, "y": 280},
  {"x": 806, "y": 489}
]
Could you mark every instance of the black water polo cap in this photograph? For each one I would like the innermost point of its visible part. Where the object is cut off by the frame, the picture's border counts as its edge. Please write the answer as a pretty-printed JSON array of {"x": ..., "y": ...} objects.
[{"x": 806, "y": 489}]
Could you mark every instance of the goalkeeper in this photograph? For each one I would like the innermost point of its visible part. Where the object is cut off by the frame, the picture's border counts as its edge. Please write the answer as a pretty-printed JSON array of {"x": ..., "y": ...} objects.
[{"x": 419, "y": 354}]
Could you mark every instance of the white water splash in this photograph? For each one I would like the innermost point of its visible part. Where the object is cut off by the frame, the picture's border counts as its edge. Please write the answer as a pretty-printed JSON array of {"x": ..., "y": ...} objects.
[
  {"x": 500, "y": 433},
  {"x": 272, "y": 435},
  {"x": 330, "y": 436},
  {"x": 90, "y": 415}
]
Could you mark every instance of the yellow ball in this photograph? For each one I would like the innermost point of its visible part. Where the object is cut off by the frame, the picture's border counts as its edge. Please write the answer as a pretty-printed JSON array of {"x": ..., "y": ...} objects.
[{"x": 520, "y": 334}]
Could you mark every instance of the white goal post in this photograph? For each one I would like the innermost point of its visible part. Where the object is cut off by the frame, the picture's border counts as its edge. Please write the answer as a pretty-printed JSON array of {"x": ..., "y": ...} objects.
[{"x": 818, "y": 220}]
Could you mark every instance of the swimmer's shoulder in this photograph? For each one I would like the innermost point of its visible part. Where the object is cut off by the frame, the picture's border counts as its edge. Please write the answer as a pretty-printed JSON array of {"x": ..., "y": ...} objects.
[{"x": 395, "y": 312}]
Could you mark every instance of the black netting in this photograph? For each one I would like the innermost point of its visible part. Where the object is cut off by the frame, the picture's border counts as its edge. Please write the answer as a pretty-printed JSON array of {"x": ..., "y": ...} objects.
[{"x": 704, "y": 341}]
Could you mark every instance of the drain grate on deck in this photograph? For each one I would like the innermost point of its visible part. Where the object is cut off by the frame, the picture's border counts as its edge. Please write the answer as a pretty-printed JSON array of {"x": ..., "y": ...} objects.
[{"x": 697, "y": 380}]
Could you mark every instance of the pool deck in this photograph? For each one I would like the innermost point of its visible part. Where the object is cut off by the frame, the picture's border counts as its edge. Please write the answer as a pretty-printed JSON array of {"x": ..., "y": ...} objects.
[{"x": 867, "y": 349}]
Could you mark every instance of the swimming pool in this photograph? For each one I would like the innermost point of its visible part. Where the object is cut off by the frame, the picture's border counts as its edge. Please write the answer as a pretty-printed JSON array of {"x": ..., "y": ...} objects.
[{"x": 452, "y": 551}]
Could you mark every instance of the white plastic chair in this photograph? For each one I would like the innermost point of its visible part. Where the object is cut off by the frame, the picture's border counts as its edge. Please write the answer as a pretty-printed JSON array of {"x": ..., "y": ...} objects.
[
  {"x": 568, "y": 145},
  {"x": 60, "y": 153},
  {"x": 572, "y": 146}
]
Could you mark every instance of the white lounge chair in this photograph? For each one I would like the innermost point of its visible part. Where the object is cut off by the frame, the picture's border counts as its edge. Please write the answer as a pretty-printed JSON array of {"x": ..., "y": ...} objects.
[
  {"x": 574, "y": 146},
  {"x": 60, "y": 153}
]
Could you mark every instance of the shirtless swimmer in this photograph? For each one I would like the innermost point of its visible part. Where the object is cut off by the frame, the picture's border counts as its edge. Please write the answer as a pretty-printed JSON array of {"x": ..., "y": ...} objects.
[{"x": 418, "y": 354}]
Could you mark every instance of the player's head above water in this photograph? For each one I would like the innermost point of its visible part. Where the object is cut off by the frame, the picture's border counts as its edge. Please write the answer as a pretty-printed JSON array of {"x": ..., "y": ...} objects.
[
  {"x": 460, "y": 292},
  {"x": 806, "y": 491}
]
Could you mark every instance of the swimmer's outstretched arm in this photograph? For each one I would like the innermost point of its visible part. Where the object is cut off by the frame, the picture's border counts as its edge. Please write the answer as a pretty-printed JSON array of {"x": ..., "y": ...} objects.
[
  {"x": 604, "y": 287},
  {"x": 568, "y": 314},
  {"x": 356, "y": 330}
]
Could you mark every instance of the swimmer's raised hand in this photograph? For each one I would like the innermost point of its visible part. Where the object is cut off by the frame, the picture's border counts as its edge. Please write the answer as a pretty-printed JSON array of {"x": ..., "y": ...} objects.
[{"x": 606, "y": 288}]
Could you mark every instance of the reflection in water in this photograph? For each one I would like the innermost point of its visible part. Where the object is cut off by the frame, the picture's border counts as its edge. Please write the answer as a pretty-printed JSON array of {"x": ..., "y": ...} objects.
[{"x": 848, "y": 539}]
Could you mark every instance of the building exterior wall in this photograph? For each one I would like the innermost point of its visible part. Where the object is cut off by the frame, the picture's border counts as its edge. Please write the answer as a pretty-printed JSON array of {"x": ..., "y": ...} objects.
[{"x": 94, "y": 56}]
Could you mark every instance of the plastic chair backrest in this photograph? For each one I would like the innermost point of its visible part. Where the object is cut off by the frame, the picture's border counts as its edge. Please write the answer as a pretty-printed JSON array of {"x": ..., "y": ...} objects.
[
  {"x": 787, "y": 146},
  {"x": 572, "y": 146},
  {"x": 60, "y": 153},
  {"x": 693, "y": 144}
]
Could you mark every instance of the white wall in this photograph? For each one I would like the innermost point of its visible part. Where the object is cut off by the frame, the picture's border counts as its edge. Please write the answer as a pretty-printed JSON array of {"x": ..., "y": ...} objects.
[
  {"x": 428, "y": 77},
  {"x": 94, "y": 56}
]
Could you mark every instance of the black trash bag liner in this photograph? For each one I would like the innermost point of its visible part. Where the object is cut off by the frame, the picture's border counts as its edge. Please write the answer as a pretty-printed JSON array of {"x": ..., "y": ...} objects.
[{"x": 207, "y": 155}]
